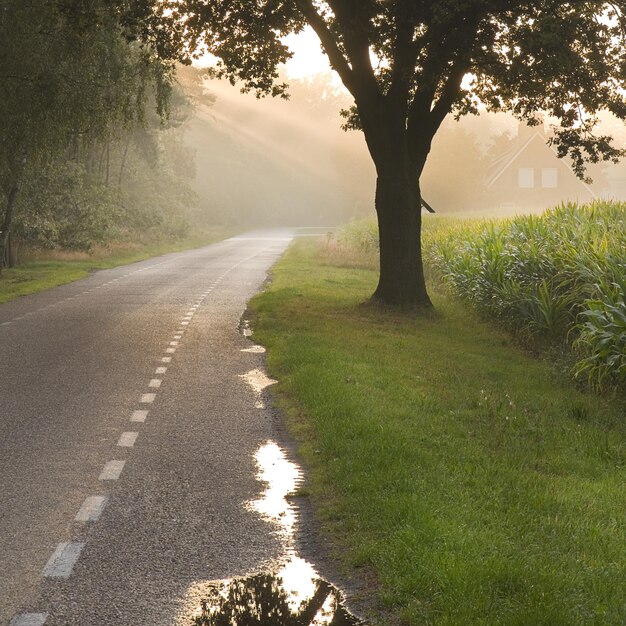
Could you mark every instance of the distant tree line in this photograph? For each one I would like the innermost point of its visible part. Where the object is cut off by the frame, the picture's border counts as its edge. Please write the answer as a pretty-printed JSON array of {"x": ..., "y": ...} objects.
[{"x": 90, "y": 146}]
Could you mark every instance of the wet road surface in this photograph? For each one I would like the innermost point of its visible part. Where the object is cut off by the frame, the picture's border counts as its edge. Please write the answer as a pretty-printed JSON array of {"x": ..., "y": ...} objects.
[{"x": 128, "y": 433}]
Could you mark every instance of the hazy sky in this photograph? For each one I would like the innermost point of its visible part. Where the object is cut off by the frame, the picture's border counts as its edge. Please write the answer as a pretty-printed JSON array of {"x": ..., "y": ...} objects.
[
  {"x": 308, "y": 58},
  {"x": 273, "y": 147}
]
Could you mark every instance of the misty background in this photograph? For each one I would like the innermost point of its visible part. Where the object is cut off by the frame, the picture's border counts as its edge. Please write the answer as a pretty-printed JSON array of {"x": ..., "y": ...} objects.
[{"x": 270, "y": 161}]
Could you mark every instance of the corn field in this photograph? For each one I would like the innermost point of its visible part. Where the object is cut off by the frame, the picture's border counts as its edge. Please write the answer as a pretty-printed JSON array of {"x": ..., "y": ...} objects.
[{"x": 559, "y": 277}]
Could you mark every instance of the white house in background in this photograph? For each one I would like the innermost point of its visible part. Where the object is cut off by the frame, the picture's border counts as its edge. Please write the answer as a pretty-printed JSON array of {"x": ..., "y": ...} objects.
[{"x": 530, "y": 176}]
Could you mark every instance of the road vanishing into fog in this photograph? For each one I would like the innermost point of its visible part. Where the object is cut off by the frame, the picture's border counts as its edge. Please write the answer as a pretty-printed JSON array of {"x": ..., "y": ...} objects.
[{"x": 127, "y": 437}]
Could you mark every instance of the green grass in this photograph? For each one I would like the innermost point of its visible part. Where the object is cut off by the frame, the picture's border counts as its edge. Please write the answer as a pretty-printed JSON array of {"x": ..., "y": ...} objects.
[
  {"x": 477, "y": 483},
  {"x": 50, "y": 269},
  {"x": 557, "y": 279}
]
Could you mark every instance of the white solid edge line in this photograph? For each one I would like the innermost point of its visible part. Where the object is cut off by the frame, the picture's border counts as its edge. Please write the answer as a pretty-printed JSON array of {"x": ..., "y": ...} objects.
[
  {"x": 29, "y": 619},
  {"x": 112, "y": 470},
  {"x": 91, "y": 509},
  {"x": 63, "y": 559},
  {"x": 127, "y": 439}
]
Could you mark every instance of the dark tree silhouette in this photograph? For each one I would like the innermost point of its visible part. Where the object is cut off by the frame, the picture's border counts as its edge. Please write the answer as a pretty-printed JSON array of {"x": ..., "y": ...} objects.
[
  {"x": 408, "y": 65},
  {"x": 261, "y": 600}
]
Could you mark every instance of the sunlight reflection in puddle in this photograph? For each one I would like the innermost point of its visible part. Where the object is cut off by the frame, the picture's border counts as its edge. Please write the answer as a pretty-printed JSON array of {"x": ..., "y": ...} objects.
[
  {"x": 258, "y": 380},
  {"x": 290, "y": 594},
  {"x": 281, "y": 478},
  {"x": 263, "y": 600}
]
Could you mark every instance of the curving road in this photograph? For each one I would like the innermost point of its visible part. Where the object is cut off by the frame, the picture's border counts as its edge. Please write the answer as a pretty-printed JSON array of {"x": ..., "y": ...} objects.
[{"x": 127, "y": 439}]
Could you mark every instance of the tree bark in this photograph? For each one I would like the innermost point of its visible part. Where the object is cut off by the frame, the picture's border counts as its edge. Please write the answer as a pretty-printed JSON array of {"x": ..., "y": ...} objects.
[
  {"x": 14, "y": 245},
  {"x": 108, "y": 164},
  {"x": 5, "y": 229},
  {"x": 123, "y": 163},
  {"x": 398, "y": 208}
]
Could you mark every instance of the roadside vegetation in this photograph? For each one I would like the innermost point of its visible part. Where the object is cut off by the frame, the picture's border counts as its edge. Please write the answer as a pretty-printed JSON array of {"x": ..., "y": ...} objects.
[
  {"x": 479, "y": 484},
  {"x": 94, "y": 171},
  {"x": 91, "y": 139},
  {"x": 556, "y": 280}
]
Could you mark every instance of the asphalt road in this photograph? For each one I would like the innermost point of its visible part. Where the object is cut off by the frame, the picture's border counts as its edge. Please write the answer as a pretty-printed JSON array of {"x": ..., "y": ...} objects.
[{"x": 114, "y": 503}]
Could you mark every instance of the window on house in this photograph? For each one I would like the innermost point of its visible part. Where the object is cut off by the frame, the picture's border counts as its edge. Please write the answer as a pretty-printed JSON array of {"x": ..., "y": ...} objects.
[
  {"x": 549, "y": 177},
  {"x": 525, "y": 177}
]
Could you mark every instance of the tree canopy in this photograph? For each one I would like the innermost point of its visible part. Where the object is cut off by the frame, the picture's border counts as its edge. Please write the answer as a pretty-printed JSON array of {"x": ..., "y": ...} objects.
[
  {"x": 410, "y": 64},
  {"x": 74, "y": 96},
  {"x": 562, "y": 58}
]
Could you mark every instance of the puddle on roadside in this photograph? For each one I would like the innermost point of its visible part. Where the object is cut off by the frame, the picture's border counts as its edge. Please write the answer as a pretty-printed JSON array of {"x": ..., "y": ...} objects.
[
  {"x": 258, "y": 380},
  {"x": 254, "y": 350},
  {"x": 289, "y": 594},
  {"x": 265, "y": 600},
  {"x": 244, "y": 328}
]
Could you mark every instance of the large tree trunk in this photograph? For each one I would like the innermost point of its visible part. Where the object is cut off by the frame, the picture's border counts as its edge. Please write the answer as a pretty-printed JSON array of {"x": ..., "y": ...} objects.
[
  {"x": 14, "y": 246},
  {"x": 123, "y": 163},
  {"x": 398, "y": 207},
  {"x": 5, "y": 228}
]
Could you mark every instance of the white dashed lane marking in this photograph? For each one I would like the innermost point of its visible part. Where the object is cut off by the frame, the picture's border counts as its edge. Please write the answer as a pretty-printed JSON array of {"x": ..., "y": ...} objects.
[
  {"x": 82, "y": 293},
  {"x": 29, "y": 619},
  {"x": 139, "y": 416},
  {"x": 63, "y": 559},
  {"x": 112, "y": 470},
  {"x": 91, "y": 509},
  {"x": 127, "y": 440},
  {"x": 65, "y": 556}
]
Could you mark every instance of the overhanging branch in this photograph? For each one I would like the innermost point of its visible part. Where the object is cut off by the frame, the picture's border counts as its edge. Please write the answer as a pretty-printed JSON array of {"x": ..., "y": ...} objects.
[
  {"x": 350, "y": 17},
  {"x": 404, "y": 57},
  {"x": 449, "y": 93},
  {"x": 337, "y": 60}
]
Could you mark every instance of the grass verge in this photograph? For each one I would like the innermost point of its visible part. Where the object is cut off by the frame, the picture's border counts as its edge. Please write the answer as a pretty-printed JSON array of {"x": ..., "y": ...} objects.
[
  {"x": 477, "y": 483},
  {"x": 50, "y": 269}
]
